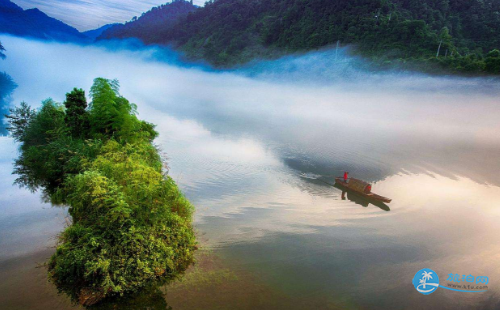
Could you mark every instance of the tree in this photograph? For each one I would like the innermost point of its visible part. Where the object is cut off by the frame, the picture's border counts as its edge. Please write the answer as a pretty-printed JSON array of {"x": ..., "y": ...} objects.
[
  {"x": 7, "y": 86},
  {"x": 112, "y": 115},
  {"x": 445, "y": 40},
  {"x": 76, "y": 113},
  {"x": 493, "y": 61},
  {"x": 105, "y": 108},
  {"x": 19, "y": 120},
  {"x": 131, "y": 225},
  {"x": 2, "y": 50}
]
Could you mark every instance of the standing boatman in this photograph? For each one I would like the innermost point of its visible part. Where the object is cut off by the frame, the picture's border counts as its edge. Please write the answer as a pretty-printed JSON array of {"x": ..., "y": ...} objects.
[{"x": 346, "y": 176}]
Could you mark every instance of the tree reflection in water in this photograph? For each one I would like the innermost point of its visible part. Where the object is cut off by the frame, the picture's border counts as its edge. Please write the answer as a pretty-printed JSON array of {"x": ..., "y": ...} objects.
[{"x": 148, "y": 299}]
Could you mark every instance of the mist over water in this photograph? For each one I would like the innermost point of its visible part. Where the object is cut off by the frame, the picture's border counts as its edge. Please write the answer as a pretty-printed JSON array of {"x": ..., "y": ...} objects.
[
  {"x": 253, "y": 147},
  {"x": 293, "y": 102}
]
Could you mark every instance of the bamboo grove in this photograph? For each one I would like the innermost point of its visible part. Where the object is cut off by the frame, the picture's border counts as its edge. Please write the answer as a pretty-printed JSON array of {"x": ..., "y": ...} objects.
[{"x": 131, "y": 226}]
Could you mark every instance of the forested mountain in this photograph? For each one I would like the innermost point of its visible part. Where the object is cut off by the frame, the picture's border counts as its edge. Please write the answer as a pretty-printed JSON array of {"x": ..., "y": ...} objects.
[
  {"x": 34, "y": 23},
  {"x": 151, "y": 26},
  {"x": 463, "y": 34}
]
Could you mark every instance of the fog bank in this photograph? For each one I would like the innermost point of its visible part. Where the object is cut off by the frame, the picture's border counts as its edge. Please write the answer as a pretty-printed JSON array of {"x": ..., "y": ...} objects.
[{"x": 323, "y": 106}]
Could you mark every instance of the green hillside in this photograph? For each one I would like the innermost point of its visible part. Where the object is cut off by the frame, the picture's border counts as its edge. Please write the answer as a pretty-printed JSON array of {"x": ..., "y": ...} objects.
[{"x": 456, "y": 35}]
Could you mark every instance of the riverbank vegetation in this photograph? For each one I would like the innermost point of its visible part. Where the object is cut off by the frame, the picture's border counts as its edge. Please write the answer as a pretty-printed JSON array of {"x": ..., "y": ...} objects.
[
  {"x": 433, "y": 35},
  {"x": 131, "y": 225},
  {"x": 7, "y": 86}
]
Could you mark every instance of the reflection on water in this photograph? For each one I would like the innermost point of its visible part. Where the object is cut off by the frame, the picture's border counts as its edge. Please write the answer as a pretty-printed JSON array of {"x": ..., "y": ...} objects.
[
  {"x": 148, "y": 299},
  {"x": 257, "y": 155},
  {"x": 362, "y": 201}
]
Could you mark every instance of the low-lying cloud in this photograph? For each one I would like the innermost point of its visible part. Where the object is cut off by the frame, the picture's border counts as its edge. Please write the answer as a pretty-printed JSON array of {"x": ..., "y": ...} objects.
[{"x": 323, "y": 106}]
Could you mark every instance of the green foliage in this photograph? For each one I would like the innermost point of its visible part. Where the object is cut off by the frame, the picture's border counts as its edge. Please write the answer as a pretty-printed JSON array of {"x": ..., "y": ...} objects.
[
  {"x": 19, "y": 119},
  {"x": 7, "y": 86},
  {"x": 44, "y": 148},
  {"x": 108, "y": 111},
  {"x": 76, "y": 113},
  {"x": 229, "y": 32},
  {"x": 111, "y": 115},
  {"x": 131, "y": 224},
  {"x": 493, "y": 61}
]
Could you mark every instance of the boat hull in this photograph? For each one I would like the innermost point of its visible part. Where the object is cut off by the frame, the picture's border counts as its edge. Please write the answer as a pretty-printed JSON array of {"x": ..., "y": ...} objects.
[{"x": 371, "y": 196}]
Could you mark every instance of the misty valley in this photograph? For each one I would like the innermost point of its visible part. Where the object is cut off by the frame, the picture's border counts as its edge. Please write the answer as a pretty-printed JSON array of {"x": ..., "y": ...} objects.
[
  {"x": 255, "y": 150},
  {"x": 249, "y": 154}
]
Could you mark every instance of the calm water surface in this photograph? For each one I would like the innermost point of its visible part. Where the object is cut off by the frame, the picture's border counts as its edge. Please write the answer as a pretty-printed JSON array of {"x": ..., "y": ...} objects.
[{"x": 256, "y": 150}]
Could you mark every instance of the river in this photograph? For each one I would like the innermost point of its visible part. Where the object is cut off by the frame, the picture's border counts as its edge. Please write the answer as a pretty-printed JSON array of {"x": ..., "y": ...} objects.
[{"x": 256, "y": 150}]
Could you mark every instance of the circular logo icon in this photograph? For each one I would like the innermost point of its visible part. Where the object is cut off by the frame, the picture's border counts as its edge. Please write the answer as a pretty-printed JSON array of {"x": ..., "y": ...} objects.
[{"x": 426, "y": 281}]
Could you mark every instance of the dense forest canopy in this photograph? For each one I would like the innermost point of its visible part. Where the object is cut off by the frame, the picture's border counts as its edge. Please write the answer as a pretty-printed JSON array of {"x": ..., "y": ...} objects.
[
  {"x": 455, "y": 34},
  {"x": 131, "y": 225}
]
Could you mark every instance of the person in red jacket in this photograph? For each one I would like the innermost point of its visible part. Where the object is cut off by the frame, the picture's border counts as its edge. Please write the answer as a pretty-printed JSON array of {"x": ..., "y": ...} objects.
[
  {"x": 346, "y": 176},
  {"x": 368, "y": 189}
]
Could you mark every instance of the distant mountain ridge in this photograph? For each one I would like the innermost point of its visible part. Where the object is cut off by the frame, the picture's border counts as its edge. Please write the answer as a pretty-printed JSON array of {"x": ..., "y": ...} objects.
[
  {"x": 95, "y": 33},
  {"x": 151, "y": 25},
  {"x": 34, "y": 23}
]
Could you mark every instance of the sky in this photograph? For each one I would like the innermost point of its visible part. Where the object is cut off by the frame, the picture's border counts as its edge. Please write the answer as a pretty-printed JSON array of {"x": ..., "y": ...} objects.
[{"x": 90, "y": 14}]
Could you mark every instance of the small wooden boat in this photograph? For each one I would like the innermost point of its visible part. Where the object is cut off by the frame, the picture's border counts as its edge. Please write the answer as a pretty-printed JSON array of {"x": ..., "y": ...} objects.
[
  {"x": 359, "y": 199},
  {"x": 359, "y": 187}
]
